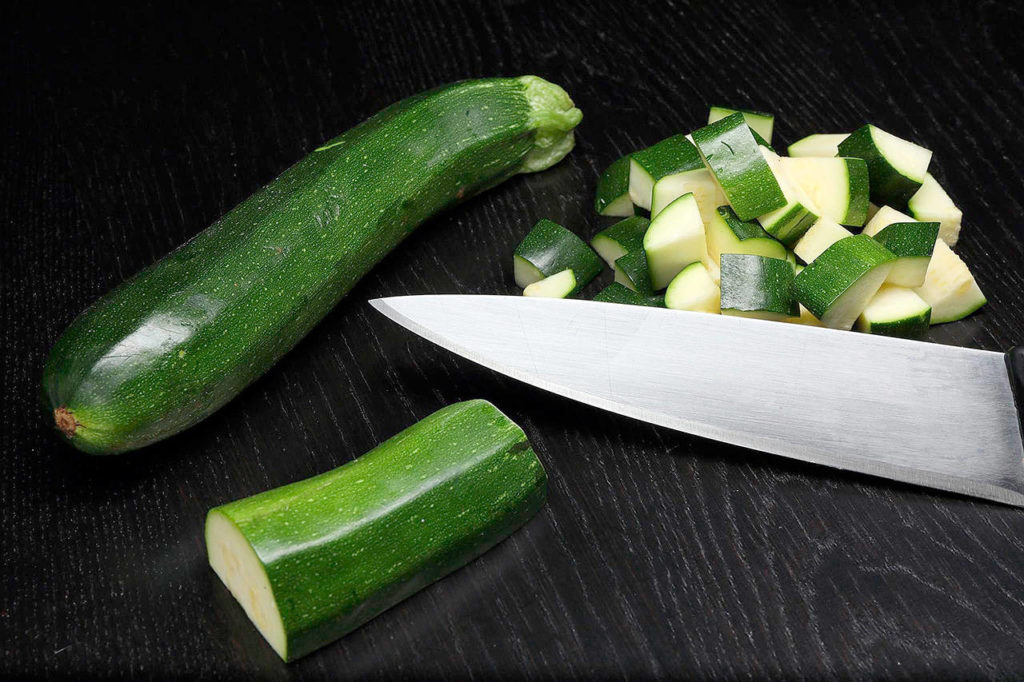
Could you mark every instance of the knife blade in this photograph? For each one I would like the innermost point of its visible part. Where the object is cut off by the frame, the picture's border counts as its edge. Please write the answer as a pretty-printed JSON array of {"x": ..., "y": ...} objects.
[{"x": 921, "y": 413}]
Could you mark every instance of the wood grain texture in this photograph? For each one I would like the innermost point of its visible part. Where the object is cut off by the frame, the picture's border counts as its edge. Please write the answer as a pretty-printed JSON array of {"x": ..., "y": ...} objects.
[{"x": 658, "y": 554}]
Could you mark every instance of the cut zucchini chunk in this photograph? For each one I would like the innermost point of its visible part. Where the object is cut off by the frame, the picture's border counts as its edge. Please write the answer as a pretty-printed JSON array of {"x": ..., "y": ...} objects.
[
  {"x": 726, "y": 233},
  {"x": 884, "y": 217},
  {"x": 895, "y": 311},
  {"x": 913, "y": 244},
  {"x": 760, "y": 122},
  {"x": 633, "y": 272},
  {"x": 559, "y": 285},
  {"x": 837, "y": 286},
  {"x": 822, "y": 145},
  {"x": 949, "y": 287},
  {"x": 755, "y": 286},
  {"x": 674, "y": 240},
  {"x": 612, "y": 196},
  {"x": 668, "y": 157},
  {"x": 838, "y": 187},
  {"x": 693, "y": 289},
  {"x": 823, "y": 233},
  {"x": 613, "y": 242},
  {"x": 312, "y": 561},
  {"x": 932, "y": 204},
  {"x": 548, "y": 249},
  {"x": 734, "y": 158},
  {"x": 700, "y": 183},
  {"x": 788, "y": 223},
  {"x": 617, "y": 293},
  {"x": 896, "y": 166}
]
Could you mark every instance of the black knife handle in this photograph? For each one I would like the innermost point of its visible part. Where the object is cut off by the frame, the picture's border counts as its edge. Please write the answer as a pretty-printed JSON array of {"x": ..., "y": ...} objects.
[{"x": 1015, "y": 365}]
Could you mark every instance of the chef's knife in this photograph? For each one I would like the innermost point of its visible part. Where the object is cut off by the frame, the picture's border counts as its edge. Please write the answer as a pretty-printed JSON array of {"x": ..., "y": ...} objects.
[{"x": 922, "y": 413}]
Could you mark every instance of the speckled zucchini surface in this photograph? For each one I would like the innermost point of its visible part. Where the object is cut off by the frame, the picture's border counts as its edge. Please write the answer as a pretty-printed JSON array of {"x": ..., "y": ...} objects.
[
  {"x": 312, "y": 561},
  {"x": 183, "y": 337}
]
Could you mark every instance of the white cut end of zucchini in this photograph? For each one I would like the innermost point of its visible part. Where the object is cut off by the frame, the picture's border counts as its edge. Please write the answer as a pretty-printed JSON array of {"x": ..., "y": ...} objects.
[
  {"x": 909, "y": 272},
  {"x": 608, "y": 249},
  {"x": 694, "y": 289},
  {"x": 949, "y": 287},
  {"x": 525, "y": 272},
  {"x": 845, "y": 311},
  {"x": 884, "y": 217},
  {"x": 641, "y": 186},
  {"x": 823, "y": 233},
  {"x": 826, "y": 183},
  {"x": 235, "y": 562},
  {"x": 620, "y": 208},
  {"x": 872, "y": 210},
  {"x": 700, "y": 183},
  {"x": 821, "y": 145},
  {"x": 910, "y": 159},
  {"x": 763, "y": 124},
  {"x": 893, "y": 305},
  {"x": 798, "y": 203},
  {"x": 931, "y": 204},
  {"x": 674, "y": 240},
  {"x": 558, "y": 285}
]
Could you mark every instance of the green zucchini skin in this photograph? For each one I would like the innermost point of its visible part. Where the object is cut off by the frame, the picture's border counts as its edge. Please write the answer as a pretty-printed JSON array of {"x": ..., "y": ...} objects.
[
  {"x": 167, "y": 348},
  {"x": 340, "y": 548},
  {"x": 551, "y": 248},
  {"x": 618, "y": 293},
  {"x": 757, "y": 286}
]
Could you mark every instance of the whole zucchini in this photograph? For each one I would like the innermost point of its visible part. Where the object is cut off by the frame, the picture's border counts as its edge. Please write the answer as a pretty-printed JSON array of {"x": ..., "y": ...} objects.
[{"x": 169, "y": 347}]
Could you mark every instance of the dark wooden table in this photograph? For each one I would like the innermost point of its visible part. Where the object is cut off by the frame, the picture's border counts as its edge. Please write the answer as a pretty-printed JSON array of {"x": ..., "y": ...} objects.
[{"x": 129, "y": 130}]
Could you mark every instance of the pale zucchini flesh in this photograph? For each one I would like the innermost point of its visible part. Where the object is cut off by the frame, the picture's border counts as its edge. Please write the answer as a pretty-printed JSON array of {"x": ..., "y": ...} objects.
[
  {"x": 559, "y": 285},
  {"x": 823, "y": 233},
  {"x": 525, "y": 272},
  {"x": 694, "y": 289},
  {"x": 895, "y": 311},
  {"x": 931, "y": 203},
  {"x": 883, "y": 218},
  {"x": 700, "y": 183},
  {"x": 838, "y": 186},
  {"x": 674, "y": 240},
  {"x": 789, "y": 222},
  {"x": 949, "y": 287},
  {"x": 822, "y": 145}
]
